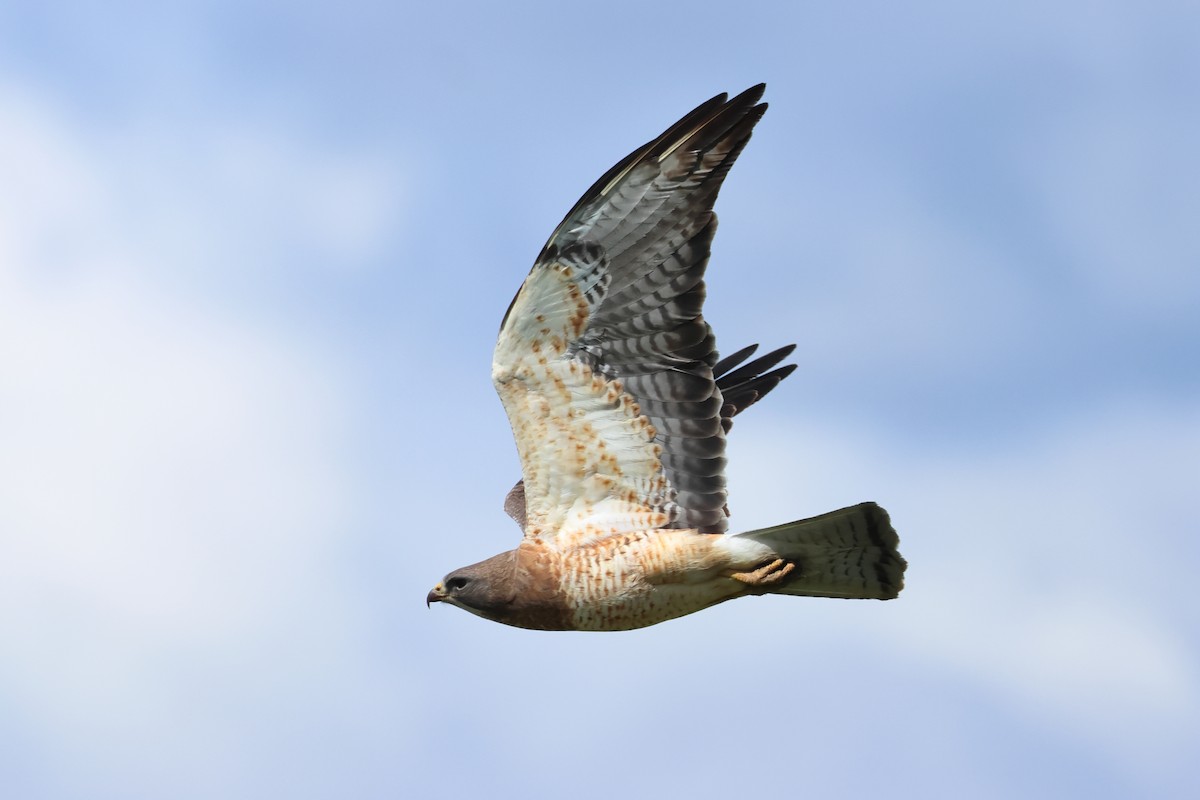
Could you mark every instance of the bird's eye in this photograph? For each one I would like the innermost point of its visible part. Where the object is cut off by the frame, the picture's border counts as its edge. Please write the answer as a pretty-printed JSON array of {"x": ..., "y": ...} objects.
[{"x": 456, "y": 583}]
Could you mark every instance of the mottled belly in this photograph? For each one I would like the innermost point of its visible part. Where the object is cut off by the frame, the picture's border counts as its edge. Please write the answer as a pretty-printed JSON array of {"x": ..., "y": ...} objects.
[{"x": 639, "y": 579}]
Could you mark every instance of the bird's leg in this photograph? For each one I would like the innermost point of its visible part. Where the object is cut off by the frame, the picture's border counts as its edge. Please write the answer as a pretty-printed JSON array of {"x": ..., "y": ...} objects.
[{"x": 766, "y": 576}]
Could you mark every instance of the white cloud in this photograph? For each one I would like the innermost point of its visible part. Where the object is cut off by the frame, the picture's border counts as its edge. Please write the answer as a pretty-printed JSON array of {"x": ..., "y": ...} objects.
[
  {"x": 275, "y": 200},
  {"x": 219, "y": 197},
  {"x": 175, "y": 487}
]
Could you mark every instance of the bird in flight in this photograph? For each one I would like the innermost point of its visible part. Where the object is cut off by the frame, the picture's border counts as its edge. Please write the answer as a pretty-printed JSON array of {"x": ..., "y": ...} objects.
[{"x": 620, "y": 407}]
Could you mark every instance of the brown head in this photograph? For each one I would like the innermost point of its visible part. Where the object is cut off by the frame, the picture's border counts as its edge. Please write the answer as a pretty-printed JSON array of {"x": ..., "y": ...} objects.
[{"x": 514, "y": 588}]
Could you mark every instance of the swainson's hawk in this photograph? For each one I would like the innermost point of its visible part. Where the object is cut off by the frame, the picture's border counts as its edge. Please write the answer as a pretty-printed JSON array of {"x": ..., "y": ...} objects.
[{"x": 620, "y": 407}]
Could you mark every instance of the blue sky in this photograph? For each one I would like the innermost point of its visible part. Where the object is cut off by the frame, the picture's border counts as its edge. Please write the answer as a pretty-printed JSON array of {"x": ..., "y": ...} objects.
[{"x": 252, "y": 261}]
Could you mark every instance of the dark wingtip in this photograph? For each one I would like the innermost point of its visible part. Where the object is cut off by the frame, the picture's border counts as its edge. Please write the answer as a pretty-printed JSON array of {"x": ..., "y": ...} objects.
[
  {"x": 729, "y": 362},
  {"x": 743, "y": 385},
  {"x": 730, "y": 377},
  {"x": 751, "y": 95}
]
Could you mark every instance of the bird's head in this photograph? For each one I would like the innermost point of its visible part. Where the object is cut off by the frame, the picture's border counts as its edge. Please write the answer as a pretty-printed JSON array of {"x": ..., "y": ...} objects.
[
  {"x": 515, "y": 588},
  {"x": 487, "y": 588}
]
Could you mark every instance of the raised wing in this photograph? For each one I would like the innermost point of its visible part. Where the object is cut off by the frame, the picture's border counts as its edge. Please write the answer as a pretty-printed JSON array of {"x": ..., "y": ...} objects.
[{"x": 604, "y": 362}]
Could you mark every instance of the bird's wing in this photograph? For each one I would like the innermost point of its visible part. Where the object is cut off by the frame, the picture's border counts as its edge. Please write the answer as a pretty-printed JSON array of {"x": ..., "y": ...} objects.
[
  {"x": 741, "y": 386},
  {"x": 604, "y": 362}
]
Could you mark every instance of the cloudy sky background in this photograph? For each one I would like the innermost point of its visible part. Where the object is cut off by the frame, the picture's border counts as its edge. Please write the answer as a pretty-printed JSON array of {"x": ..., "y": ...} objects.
[{"x": 252, "y": 261}]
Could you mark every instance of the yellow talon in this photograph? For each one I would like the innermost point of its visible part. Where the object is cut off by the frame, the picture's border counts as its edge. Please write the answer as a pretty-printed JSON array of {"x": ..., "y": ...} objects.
[{"x": 766, "y": 575}]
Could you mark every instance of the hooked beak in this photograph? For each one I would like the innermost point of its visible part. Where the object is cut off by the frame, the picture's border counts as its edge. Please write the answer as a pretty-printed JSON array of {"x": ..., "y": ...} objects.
[{"x": 436, "y": 595}]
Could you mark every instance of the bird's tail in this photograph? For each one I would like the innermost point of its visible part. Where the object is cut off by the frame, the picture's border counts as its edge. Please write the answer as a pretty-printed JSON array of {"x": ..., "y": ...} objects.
[{"x": 846, "y": 553}]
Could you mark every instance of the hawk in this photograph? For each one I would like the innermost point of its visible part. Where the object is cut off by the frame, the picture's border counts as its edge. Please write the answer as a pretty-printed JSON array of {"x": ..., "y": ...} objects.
[{"x": 620, "y": 407}]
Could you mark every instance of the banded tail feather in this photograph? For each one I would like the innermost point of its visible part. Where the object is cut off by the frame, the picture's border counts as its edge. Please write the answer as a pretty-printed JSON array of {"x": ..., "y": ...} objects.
[{"x": 849, "y": 553}]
